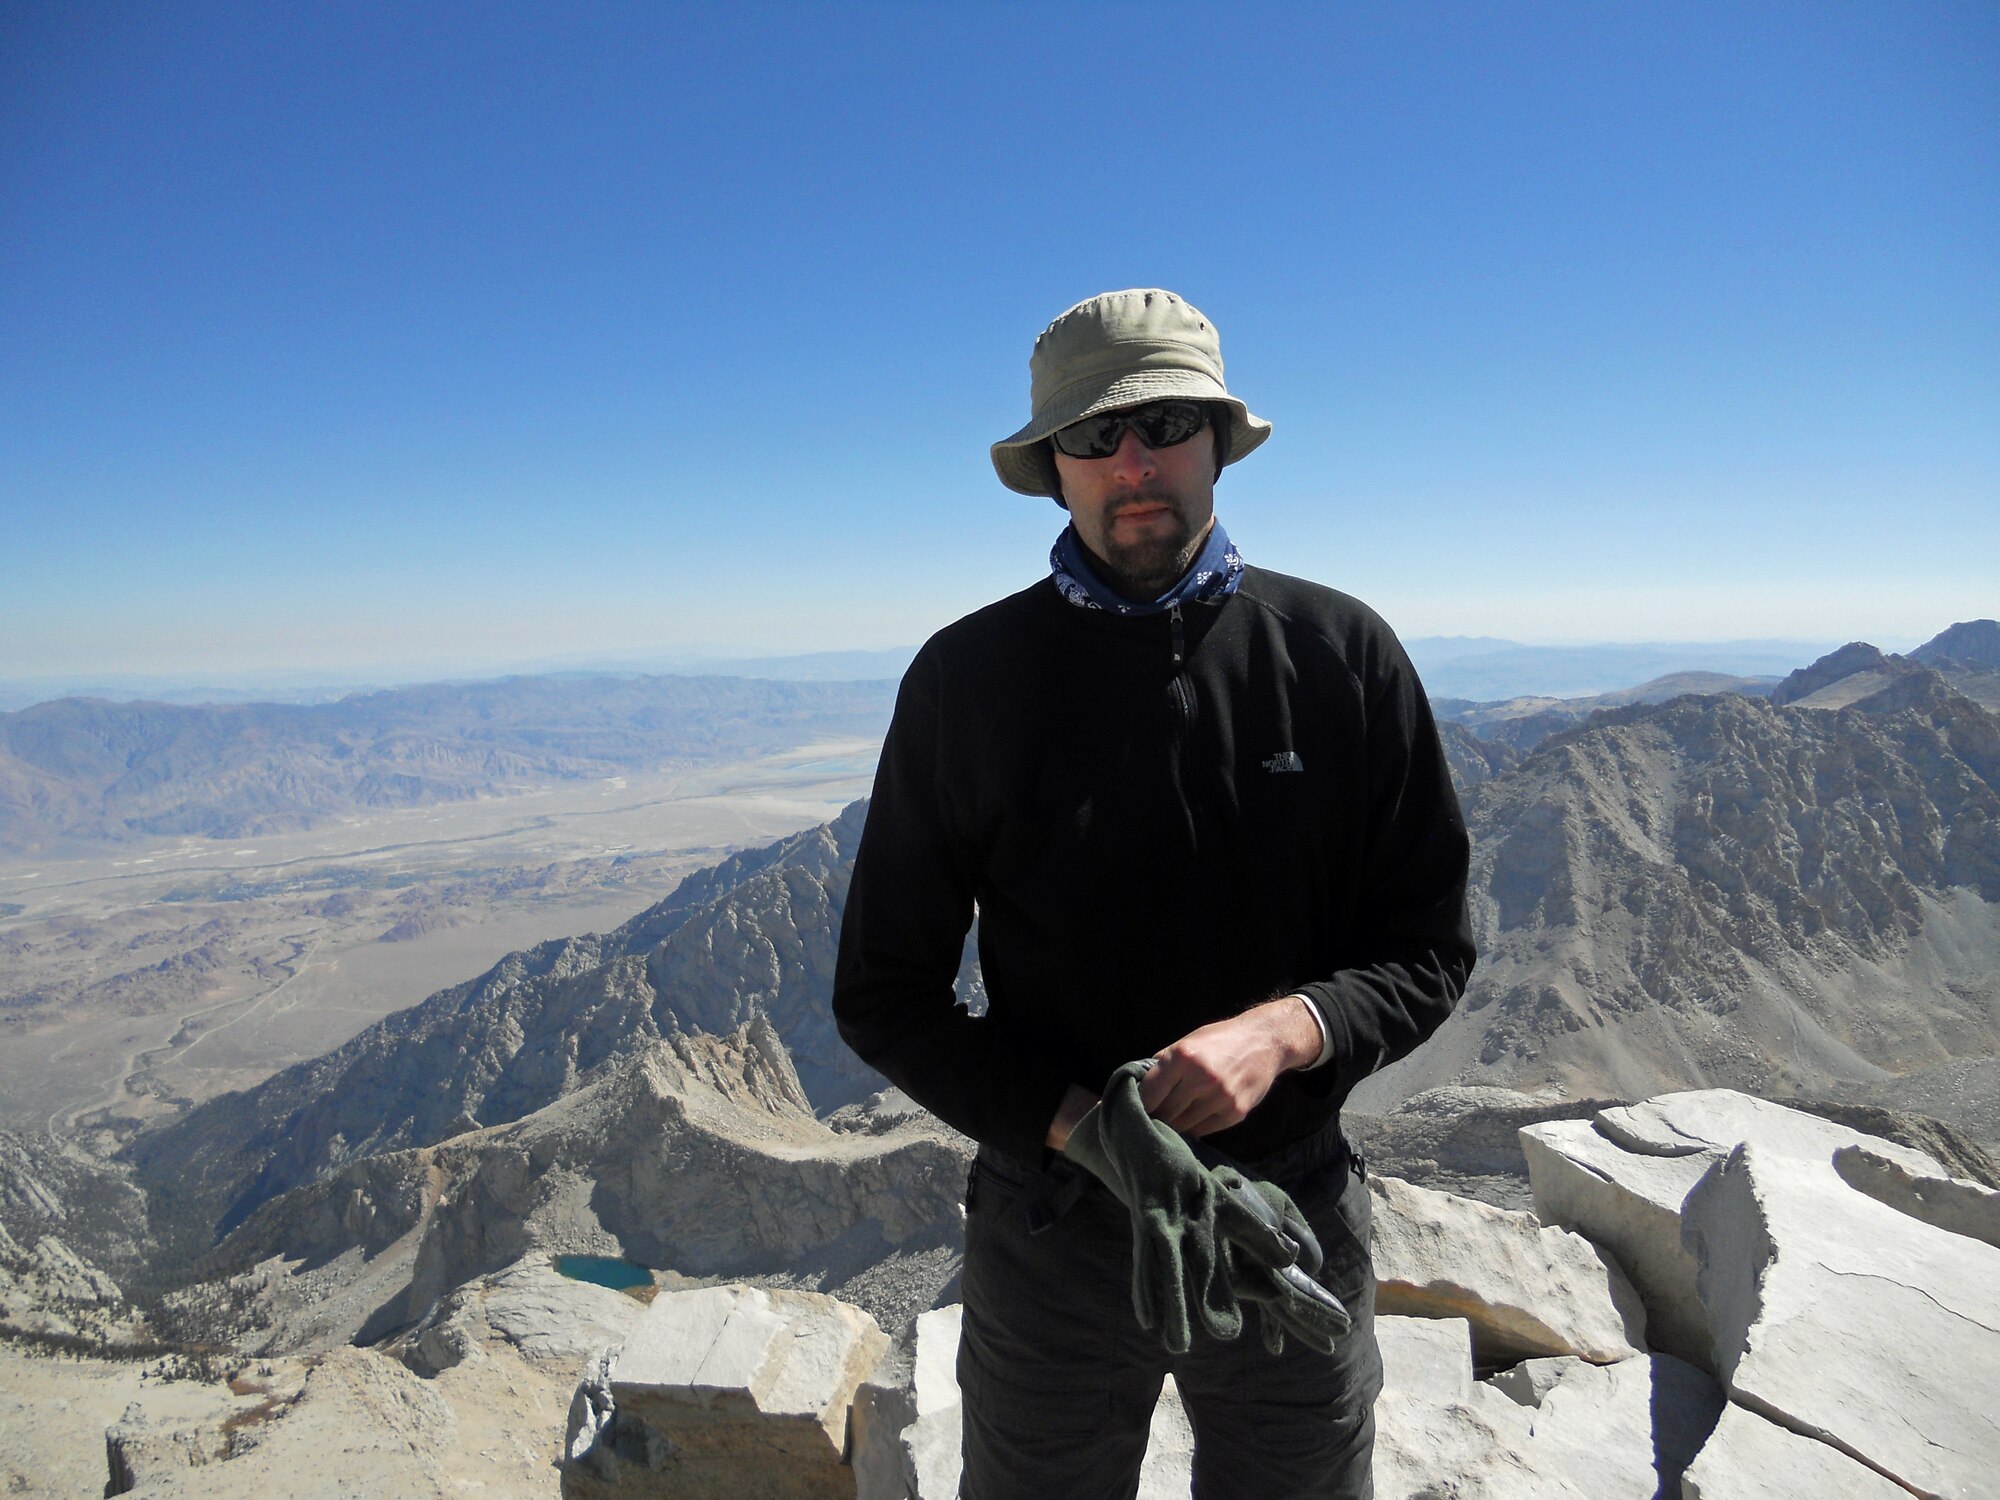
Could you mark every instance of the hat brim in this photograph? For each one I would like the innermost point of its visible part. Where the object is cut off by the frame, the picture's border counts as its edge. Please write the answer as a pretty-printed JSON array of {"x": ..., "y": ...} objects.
[{"x": 1024, "y": 462}]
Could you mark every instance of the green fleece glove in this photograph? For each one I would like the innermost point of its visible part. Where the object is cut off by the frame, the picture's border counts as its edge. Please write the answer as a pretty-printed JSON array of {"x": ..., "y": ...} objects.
[
  {"x": 1177, "y": 1247},
  {"x": 1284, "y": 1293}
]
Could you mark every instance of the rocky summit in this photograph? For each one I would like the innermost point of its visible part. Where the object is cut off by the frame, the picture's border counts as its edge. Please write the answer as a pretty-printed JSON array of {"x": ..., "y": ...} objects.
[{"x": 1713, "y": 1297}]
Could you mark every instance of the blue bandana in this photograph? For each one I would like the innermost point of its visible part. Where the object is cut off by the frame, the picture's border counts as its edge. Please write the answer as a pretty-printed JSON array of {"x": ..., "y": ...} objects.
[{"x": 1216, "y": 572}]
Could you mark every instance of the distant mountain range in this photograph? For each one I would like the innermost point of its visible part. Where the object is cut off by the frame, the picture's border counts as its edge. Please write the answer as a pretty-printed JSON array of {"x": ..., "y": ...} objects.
[
  {"x": 88, "y": 769},
  {"x": 1714, "y": 890},
  {"x": 328, "y": 687},
  {"x": 1966, "y": 658},
  {"x": 1482, "y": 667},
  {"x": 1486, "y": 670}
]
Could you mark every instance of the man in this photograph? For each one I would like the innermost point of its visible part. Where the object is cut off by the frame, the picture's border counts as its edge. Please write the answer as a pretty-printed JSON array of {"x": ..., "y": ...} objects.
[{"x": 1203, "y": 815}]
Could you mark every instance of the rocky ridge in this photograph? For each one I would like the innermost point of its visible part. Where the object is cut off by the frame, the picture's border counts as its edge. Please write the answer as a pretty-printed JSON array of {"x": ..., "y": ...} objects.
[
  {"x": 1972, "y": 643},
  {"x": 754, "y": 937},
  {"x": 1722, "y": 890},
  {"x": 697, "y": 1154}
]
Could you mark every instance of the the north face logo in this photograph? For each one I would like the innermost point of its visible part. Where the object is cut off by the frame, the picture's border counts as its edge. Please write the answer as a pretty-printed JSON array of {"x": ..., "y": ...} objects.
[{"x": 1285, "y": 760}]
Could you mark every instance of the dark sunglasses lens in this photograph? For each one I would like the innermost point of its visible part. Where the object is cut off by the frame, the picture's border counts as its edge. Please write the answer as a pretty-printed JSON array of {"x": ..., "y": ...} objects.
[
  {"x": 1161, "y": 424},
  {"x": 1093, "y": 437},
  {"x": 1168, "y": 422}
]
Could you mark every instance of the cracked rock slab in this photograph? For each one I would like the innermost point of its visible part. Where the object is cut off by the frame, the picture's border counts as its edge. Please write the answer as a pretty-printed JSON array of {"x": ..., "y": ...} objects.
[
  {"x": 1747, "y": 1456},
  {"x": 1948, "y": 1203},
  {"x": 1527, "y": 1290},
  {"x": 1849, "y": 1322},
  {"x": 1626, "y": 1431},
  {"x": 1620, "y": 1178},
  {"x": 1457, "y": 1451}
]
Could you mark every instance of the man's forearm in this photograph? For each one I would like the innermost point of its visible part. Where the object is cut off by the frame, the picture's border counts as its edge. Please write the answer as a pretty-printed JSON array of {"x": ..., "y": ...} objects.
[{"x": 1215, "y": 1075}]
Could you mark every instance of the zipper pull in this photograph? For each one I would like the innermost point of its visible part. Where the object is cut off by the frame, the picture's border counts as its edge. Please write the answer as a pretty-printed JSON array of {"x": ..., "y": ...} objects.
[{"x": 1180, "y": 635}]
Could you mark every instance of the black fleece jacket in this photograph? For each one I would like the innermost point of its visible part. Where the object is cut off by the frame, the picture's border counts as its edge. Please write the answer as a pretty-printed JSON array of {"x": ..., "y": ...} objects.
[{"x": 1163, "y": 820}]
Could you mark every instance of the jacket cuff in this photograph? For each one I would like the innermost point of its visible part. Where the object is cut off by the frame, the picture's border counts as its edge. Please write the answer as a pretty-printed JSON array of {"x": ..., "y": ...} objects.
[{"x": 1325, "y": 1032}]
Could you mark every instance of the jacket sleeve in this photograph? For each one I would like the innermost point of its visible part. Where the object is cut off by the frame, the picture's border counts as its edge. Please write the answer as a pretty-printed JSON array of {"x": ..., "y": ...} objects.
[
  {"x": 902, "y": 932},
  {"x": 1414, "y": 948}
]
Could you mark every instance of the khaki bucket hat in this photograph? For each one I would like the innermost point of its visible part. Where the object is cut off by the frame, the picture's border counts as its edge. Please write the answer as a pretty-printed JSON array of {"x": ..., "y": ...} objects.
[{"x": 1118, "y": 349}]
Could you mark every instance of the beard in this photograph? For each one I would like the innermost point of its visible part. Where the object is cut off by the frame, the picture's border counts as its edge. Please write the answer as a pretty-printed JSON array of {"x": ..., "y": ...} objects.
[{"x": 1146, "y": 567}]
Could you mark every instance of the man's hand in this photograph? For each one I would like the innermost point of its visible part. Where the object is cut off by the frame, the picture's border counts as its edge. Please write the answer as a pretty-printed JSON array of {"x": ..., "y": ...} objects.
[{"x": 1216, "y": 1074}]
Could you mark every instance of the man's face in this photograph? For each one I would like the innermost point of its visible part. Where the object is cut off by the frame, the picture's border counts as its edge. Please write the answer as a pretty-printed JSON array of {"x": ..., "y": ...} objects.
[{"x": 1143, "y": 512}]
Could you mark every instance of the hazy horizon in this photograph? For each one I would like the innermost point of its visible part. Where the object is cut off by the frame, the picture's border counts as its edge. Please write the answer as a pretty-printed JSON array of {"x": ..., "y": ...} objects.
[{"x": 306, "y": 685}]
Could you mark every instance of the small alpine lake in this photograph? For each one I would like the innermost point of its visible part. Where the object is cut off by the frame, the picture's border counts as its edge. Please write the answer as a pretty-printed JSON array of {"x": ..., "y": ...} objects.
[{"x": 604, "y": 1270}]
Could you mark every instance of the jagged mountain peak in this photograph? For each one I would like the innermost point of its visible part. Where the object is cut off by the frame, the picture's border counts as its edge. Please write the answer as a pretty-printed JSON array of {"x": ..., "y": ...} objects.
[
  {"x": 1972, "y": 642},
  {"x": 1836, "y": 666},
  {"x": 1964, "y": 660}
]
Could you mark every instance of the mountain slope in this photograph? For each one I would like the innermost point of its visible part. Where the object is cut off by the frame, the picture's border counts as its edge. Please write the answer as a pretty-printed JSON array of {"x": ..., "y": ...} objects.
[
  {"x": 1720, "y": 891},
  {"x": 1970, "y": 642},
  {"x": 753, "y": 937},
  {"x": 698, "y": 1154}
]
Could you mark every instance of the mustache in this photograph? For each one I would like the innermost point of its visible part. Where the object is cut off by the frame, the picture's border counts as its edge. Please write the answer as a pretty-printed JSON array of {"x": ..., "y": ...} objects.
[{"x": 1148, "y": 496}]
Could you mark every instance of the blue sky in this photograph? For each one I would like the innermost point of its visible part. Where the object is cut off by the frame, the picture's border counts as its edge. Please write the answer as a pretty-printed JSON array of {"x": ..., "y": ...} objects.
[{"x": 390, "y": 338}]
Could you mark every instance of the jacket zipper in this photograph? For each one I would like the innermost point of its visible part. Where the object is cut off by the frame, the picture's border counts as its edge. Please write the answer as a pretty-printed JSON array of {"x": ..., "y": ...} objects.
[{"x": 1183, "y": 693}]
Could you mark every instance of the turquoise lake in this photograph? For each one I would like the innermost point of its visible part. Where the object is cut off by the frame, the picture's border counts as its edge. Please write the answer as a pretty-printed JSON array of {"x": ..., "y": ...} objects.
[{"x": 604, "y": 1270}]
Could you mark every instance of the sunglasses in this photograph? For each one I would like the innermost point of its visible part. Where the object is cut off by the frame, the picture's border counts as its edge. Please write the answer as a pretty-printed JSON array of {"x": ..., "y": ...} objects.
[{"x": 1160, "y": 424}]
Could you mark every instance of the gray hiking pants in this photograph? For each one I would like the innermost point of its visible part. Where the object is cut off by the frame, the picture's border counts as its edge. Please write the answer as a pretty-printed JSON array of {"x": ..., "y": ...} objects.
[{"x": 1059, "y": 1381}]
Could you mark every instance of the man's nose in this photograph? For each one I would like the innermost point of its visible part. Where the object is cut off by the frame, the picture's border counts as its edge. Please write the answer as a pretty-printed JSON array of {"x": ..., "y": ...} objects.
[{"x": 1133, "y": 460}]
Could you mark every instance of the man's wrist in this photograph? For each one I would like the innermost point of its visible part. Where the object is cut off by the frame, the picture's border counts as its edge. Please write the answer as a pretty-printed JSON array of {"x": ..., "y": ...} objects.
[
  {"x": 1306, "y": 1040},
  {"x": 1076, "y": 1103}
]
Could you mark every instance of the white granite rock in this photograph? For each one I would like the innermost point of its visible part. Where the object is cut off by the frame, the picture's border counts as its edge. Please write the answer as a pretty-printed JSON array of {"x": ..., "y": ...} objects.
[
  {"x": 1620, "y": 1179},
  {"x": 1628, "y": 1205},
  {"x": 1168, "y": 1473},
  {"x": 1625, "y": 1431},
  {"x": 749, "y": 1388},
  {"x": 931, "y": 1454},
  {"x": 1748, "y": 1458},
  {"x": 907, "y": 1415},
  {"x": 1456, "y": 1451},
  {"x": 1948, "y": 1203},
  {"x": 1713, "y": 1122},
  {"x": 1426, "y": 1357},
  {"x": 552, "y": 1318},
  {"x": 357, "y": 1425},
  {"x": 1839, "y": 1317},
  {"x": 1528, "y": 1290},
  {"x": 1515, "y": 1423},
  {"x": 138, "y": 1451},
  {"x": 1526, "y": 1383},
  {"x": 884, "y": 1406},
  {"x": 935, "y": 1378}
]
